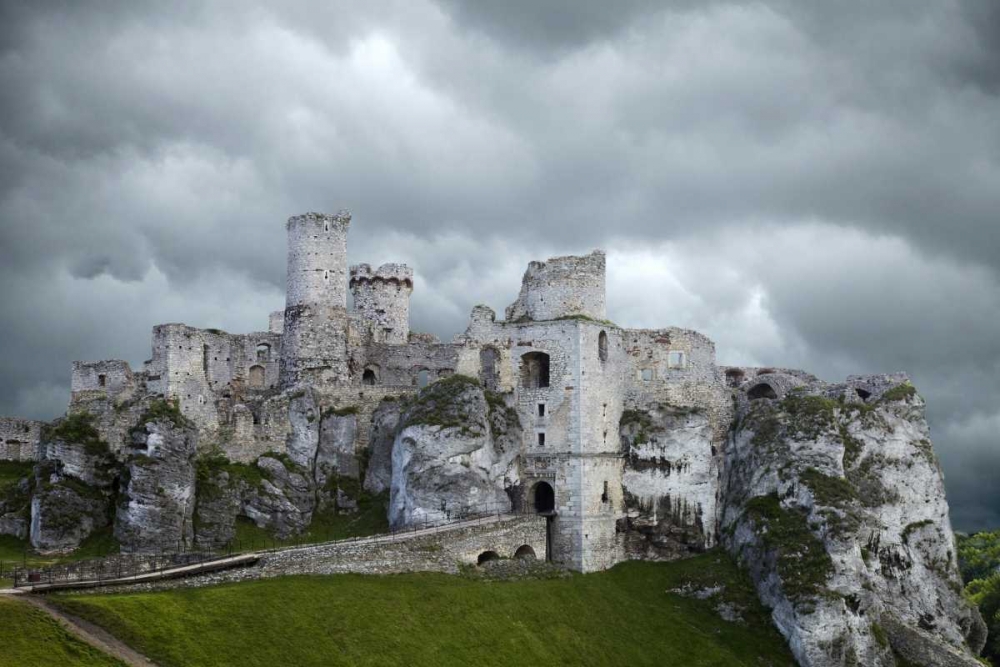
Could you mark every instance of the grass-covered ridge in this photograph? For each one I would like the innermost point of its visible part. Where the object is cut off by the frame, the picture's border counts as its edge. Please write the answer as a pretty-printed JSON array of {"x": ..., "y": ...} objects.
[
  {"x": 626, "y": 616},
  {"x": 30, "y": 637}
]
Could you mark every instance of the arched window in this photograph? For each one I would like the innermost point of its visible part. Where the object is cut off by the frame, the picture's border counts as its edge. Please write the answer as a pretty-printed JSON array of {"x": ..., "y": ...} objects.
[
  {"x": 762, "y": 390},
  {"x": 257, "y": 377},
  {"x": 535, "y": 370},
  {"x": 263, "y": 353},
  {"x": 368, "y": 377},
  {"x": 602, "y": 346}
]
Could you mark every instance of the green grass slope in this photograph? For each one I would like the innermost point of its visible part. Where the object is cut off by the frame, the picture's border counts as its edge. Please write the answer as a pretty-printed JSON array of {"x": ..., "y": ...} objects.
[
  {"x": 625, "y": 616},
  {"x": 30, "y": 637}
]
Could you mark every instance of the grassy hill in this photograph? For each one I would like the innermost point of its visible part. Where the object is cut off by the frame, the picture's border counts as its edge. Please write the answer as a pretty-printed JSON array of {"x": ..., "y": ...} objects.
[
  {"x": 625, "y": 616},
  {"x": 31, "y": 637}
]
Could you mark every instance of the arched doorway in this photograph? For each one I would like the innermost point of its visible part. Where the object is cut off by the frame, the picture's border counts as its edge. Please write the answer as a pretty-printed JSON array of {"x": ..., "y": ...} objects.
[
  {"x": 543, "y": 497},
  {"x": 487, "y": 556},
  {"x": 368, "y": 377},
  {"x": 762, "y": 390},
  {"x": 525, "y": 551}
]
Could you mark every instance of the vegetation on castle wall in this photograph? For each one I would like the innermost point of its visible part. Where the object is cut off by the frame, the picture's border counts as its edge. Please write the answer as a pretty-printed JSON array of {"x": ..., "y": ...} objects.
[
  {"x": 802, "y": 561},
  {"x": 78, "y": 428},
  {"x": 161, "y": 410},
  {"x": 438, "y": 404},
  {"x": 580, "y": 317},
  {"x": 901, "y": 392}
]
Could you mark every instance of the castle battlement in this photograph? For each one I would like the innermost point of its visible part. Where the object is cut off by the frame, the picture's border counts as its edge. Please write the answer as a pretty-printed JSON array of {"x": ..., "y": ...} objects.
[{"x": 398, "y": 274}]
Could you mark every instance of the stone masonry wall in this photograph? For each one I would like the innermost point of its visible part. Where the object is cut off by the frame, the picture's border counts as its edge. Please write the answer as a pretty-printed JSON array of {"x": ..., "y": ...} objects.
[
  {"x": 382, "y": 299},
  {"x": 562, "y": 286},
  {"x": 20, "y": 439}
]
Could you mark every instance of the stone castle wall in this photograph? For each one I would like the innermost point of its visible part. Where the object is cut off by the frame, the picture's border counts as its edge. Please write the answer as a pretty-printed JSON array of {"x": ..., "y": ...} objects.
[
  {"x": 560, "y": 287},
  {"x": 19, "y": 439},
  {"x": 382, "y": 299}
]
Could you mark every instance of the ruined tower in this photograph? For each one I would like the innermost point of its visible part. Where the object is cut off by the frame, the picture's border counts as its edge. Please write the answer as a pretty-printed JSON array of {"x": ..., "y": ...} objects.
[
  {"x": 314, "y": 346},
  {"x": 382, "y": 299}
]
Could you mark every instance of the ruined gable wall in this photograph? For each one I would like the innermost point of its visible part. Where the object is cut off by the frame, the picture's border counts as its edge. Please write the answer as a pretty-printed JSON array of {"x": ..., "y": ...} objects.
[
  {"x": 19, "y": 439},
  {"x": 562, "y": 286},
  {"x": 400, "y": 365}
]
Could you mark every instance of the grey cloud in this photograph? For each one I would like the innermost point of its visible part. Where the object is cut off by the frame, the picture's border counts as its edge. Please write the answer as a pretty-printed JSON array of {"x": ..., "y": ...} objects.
[{"x": 812, "y": 184}]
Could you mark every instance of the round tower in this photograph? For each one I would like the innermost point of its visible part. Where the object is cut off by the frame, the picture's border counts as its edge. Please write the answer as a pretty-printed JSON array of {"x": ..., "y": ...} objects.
[
  {"x": 382, "y": 299},
  {"x": 317, "y": 259},
  {"x": 314, "y": 341}
]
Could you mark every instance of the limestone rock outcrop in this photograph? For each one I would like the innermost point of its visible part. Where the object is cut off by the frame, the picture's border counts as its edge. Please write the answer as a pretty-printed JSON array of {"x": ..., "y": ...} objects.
[
  {"x": 65, "y": 510},
  {"x": 285, "y": 500},
  {"x": 834, "y": 502},
  {"x": 670, "y": 481},
  {"x": 385, "y": 424},
  {"x": 156, "y": 510},
  {"x": 15, "y": 509},
  {"x": 454, "y": 454}
]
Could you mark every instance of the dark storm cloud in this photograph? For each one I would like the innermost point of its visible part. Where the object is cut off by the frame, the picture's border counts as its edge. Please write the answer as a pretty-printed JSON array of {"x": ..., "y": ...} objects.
[{"x": 812, "y": 184}]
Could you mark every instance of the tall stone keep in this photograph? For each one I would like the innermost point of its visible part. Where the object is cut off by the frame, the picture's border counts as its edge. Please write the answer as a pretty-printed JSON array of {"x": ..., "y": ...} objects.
[
  {"x": 314, "y": 346},
  {"x": 382, "y": 299}
]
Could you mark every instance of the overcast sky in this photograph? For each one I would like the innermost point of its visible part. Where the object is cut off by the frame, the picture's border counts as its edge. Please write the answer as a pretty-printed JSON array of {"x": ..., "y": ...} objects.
[{"x": 812, "y": 184}]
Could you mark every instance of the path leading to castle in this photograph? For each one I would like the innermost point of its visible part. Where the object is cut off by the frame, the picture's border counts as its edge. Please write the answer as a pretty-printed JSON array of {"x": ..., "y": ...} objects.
[{"x": 86, "y": 631}]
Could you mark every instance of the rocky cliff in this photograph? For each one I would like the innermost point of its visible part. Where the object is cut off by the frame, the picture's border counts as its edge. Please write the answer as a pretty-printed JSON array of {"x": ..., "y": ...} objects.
[
  {"x": 156, "y": 509},
  {"x": 455, "y": 452},
  {"x": 834, "y": 501}
]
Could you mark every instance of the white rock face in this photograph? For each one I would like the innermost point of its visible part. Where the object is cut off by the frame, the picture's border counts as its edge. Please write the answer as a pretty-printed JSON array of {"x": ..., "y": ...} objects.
[
  {"x": 160, "y": 495},
  {"x": 838, "y": 511},
  {"x": 451, "y": 456},
  {"x": 671, "y": 482},
  {"x": 304, "y": 416}
]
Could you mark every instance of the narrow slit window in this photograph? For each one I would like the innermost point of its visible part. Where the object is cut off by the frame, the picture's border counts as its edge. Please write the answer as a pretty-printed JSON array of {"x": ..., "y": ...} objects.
[
  {"x": 102, "y": 380},
  {"x": 541, "y": 439},
  {"x": 541, "y": 409},
  {"x": 604, "y": 496}
]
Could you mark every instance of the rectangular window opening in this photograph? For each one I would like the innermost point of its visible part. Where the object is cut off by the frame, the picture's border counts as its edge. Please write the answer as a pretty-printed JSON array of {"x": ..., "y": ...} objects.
[
  {"x": 647, "y": 374},
  {"x": 541, "y": 409},
  {"x": 541, "y": 439},
  {"x": 102, "y": 380},
  {"x": 604, "y": 496}
]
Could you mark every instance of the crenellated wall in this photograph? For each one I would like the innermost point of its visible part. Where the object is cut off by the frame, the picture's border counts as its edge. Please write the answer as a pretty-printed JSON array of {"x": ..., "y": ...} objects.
[{"x": 382, "y": 300}]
